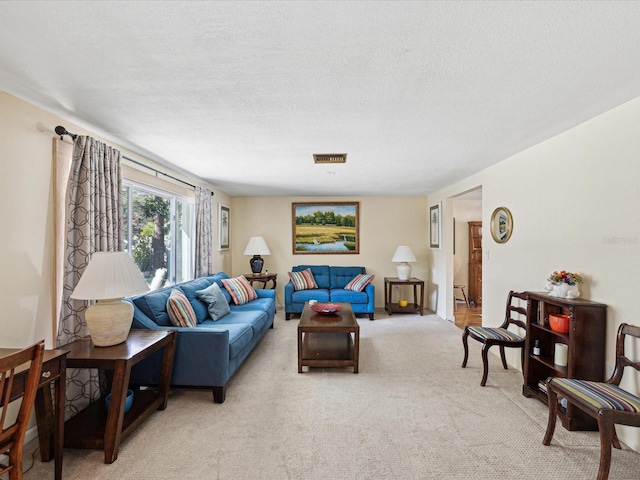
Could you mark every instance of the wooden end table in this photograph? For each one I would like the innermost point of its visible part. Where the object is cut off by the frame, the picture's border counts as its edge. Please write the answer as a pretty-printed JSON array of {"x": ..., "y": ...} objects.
[
  {"x": 262, "y": 277},
  {"x": 96, "y": 428},
  {"x": 418, "y": 301},
  {"x": 325, "y": 340}
]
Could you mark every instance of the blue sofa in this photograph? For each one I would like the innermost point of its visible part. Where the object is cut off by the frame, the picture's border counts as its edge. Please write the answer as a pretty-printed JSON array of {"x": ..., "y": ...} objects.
[
  {"x": 331, "y": 281},
  {"x": 209, "y": 354}
]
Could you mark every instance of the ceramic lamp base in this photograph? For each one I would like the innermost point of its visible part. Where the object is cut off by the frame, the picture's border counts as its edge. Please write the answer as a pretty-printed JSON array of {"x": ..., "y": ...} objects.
[
  {"x": 256, "y": 264},
  {"x": 404, "y": 271},
  {"x": 109, "y": 321}
]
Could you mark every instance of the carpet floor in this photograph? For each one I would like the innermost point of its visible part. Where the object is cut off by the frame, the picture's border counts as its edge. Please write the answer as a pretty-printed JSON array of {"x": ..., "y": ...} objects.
[{"x": 411, "y": 413}]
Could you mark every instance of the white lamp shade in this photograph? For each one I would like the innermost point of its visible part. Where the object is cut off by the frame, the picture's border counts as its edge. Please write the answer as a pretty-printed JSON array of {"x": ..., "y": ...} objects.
[
  {"x": 403, "y": 254},
  {"x": 110, "y": 275},
  {"x": 257, "y": 246}
]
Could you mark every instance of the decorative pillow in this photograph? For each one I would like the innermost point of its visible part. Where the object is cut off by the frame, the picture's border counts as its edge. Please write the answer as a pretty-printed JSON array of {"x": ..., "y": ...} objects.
[
  {"x": 217, "y": 304},
  {"x": 240, "y": 289},
  {"x": 303, "y": 280},
  {"x": 179, "y": 309},
  {"x": 359, "y": 282}
]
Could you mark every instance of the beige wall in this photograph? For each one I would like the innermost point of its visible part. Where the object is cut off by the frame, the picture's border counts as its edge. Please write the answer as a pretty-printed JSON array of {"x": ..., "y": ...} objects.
[
  {"x": 385, "y": 223},
  {"x": 574, "y": 200},
  {"x": 26, "y": 219}
]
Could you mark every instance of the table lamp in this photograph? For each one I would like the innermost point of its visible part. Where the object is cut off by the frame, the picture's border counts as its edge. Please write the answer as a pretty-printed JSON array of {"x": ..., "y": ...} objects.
[
  {"x": 109, "y": 277},
  {"x": 402, "y": 256},
  {"x": 256, "y": 247}
]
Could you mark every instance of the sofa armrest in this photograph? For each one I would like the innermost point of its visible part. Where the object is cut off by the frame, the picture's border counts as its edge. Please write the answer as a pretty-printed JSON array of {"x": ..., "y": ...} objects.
[
  {"x": 201, "y": 359},
  {"x": 370, "y": 290},
  {"x": 265, "y": 293},
  {"x": 288, "y": 292}
]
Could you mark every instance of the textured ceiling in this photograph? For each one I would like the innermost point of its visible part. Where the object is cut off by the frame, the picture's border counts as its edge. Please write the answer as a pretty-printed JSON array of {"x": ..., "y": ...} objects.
[{"x": 242, "y": 94}]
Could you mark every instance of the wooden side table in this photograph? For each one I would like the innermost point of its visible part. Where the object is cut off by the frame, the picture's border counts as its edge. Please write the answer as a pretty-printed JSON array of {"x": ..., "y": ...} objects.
[
  {"x": 262, "y": 277},
  {"x": 96, "y": 428},
  {"x": 418, "y": 301}
]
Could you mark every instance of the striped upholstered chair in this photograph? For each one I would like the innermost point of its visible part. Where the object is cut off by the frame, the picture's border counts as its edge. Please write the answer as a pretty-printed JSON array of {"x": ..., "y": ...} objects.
[
  {"x": 605, "y": 401},
  {"x": 500, "y": 336}
]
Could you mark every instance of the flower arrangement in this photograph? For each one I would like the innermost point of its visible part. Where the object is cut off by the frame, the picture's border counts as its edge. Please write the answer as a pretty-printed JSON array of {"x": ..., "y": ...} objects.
[{"x": 565, "y": 277}]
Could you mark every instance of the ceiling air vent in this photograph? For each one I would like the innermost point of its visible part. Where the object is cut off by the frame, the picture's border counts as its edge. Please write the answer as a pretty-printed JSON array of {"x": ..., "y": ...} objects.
[{"x": 329, "y": 158}]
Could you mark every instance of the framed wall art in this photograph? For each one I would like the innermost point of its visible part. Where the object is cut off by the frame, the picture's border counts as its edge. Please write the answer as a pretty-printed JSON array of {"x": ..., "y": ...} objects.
[
  {"x": 501, "y": 225},
  {"x": 325, "y": 227},
  {"x": 224, "y": 219},
  {"x": 435, "y": 225}
]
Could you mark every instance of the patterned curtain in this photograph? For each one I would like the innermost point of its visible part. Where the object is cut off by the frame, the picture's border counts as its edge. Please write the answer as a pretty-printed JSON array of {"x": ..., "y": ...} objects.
[
  {"x": 203, "y": 233},
  {"x": 94, "y": 224}
]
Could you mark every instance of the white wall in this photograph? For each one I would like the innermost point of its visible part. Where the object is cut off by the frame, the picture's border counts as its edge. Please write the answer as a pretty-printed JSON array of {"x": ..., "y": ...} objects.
[{"x": 574, "y": 200}]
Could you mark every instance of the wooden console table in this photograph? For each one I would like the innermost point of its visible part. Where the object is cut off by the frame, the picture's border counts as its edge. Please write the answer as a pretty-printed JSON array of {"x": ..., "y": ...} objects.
[
  {"x": 96, "y": 428},
  {"x": 50, "y": 417},
  {"x": 418, "y": 301}
]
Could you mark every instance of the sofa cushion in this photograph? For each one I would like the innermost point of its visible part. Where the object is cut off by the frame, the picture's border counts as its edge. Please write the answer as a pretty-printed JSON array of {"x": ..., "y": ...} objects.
[
  {"x": 340, "y": 276},
  {"x": 179, "y": 309},
  {"x": 190, "y": 288},
  {"x": 217, "y": 305},
  {"x": 319, "y": 294},
  {"x": 217, "y": 278},
  {"x": 240, "y": 332},
  {"x": 349, "y": 296},
  {"x": 154, "y": 306},
  {"x": 303, "y": 280},
  {"x": 320, "y": 273},
  {"x": 240, "y": 289},
  {"x": 359, "y": 282}
]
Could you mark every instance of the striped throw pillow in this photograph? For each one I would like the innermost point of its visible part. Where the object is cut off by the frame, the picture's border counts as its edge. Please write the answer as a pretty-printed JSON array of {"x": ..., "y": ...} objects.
[
  {"x": 240, "y": 289},
  {"x": 180, "y": 310},
  {"x": 303, "y": 280},
  {"x": 359, "y": 282}
]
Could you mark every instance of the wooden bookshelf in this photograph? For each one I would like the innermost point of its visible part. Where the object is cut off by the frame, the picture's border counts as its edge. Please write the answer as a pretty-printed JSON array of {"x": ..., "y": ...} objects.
[{"x": 586, "y": 346}]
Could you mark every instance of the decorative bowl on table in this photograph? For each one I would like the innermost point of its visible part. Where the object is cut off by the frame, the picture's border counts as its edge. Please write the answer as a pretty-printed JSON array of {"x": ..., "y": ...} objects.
[
  {"x": 326, "y": 308},
  {"x": 127, "y": 404},
  {"x": 559, "y": 323}
]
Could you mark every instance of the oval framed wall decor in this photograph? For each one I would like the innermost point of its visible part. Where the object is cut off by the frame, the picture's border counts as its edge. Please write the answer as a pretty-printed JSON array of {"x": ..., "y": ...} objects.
[{"x": 501, "y": 225}]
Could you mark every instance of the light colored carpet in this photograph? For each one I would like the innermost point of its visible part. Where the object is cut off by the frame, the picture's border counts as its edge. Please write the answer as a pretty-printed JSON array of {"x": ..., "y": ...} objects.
[{"x": 411, "y": 413}]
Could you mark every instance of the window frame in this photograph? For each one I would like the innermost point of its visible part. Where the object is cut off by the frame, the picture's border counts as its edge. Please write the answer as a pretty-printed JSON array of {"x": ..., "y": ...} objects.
[{"x": 128, "y": 187}]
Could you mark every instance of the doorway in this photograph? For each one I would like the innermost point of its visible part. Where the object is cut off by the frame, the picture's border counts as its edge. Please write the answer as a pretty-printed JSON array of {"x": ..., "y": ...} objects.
[{"x": 467, "y": 258}]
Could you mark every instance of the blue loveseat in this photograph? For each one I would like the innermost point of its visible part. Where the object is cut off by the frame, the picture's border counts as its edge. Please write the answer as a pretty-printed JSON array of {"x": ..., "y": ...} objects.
[
  {"x": 208, "y": 354},
  {"x": 331, "y": 281}
]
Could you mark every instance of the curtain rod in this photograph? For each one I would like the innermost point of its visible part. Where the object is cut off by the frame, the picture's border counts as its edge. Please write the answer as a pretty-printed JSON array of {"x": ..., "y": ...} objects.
[{"x": 63, "y": 131}]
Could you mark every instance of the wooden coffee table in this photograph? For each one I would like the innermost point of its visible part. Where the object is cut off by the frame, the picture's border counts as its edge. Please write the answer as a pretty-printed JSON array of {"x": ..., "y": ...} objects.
[{"x": 326, "y": 340}]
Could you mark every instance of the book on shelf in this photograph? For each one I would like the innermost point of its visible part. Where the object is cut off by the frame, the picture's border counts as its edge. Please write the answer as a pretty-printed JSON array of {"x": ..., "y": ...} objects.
[{"x": 542, "y": 385}]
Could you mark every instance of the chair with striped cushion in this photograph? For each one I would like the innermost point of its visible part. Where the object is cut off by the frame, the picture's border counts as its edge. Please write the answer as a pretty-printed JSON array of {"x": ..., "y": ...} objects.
[
  {"x": 500, "y": 336},
  {"x": 605, "y": 401}
]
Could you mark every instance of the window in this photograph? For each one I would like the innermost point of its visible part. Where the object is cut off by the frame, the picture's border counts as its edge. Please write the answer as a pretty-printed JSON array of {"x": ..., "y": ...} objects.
[{"x": 159, "y": 233}]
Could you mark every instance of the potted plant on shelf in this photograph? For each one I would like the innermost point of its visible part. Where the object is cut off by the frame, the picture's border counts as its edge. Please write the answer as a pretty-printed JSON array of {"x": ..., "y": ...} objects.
[{"x": 564, "y": 284}]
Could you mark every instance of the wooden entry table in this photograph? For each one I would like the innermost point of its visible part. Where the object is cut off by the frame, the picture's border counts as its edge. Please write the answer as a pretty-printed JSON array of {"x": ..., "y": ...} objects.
[{"x": 96, "y": 428}]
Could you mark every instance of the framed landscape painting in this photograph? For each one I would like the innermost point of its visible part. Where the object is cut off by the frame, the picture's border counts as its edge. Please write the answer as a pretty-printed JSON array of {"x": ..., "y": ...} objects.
[{"x": 325, "y": 227}]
